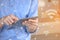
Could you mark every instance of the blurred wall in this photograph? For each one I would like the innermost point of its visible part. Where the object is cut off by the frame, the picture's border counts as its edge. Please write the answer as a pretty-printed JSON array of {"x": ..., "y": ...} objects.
[{"x": 49, "y": 20}]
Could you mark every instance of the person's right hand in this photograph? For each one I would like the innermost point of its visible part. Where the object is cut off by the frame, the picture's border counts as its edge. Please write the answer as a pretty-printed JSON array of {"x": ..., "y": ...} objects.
[{"x": 9, "y": 19}]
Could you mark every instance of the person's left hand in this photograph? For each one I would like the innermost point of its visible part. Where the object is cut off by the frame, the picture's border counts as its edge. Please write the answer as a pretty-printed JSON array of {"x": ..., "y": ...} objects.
[{"x": 31, "y": 24}]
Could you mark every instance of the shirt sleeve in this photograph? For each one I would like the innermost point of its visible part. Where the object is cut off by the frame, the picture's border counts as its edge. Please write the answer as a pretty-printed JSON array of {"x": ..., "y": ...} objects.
[{"x": 33, "y": 12}]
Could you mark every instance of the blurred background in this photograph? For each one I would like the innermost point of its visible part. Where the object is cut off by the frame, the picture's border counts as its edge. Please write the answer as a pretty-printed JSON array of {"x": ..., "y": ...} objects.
[{"x": 49, "y": 20}]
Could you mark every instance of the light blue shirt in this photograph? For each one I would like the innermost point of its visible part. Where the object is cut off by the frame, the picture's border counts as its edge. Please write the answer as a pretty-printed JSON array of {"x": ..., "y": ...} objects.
[{"x": 21, "y": 9}]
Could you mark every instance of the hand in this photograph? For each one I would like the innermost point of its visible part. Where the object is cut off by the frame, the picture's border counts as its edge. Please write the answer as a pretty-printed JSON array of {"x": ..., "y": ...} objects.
[
  {"x": 32, "y": 24},
  {"x": 10, "y": 19}
]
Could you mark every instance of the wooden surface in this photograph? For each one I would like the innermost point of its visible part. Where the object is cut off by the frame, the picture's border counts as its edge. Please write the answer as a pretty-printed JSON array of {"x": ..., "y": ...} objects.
[{"x": 53, "y": 36}]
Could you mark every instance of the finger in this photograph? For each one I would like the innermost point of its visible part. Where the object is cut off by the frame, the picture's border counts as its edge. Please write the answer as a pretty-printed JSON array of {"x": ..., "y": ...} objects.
[
  {"x": 14, "y": 17},
  {"x": 30, "y": 26},
  {"x": 6, "y": 22},
  {"x": 11, "y": 20},
  {"x": 24, "y": 23},
  {"x": 33, "y": 24},
  {"x": 29, "y": 23},
  {"x": 35, "y": 21}
]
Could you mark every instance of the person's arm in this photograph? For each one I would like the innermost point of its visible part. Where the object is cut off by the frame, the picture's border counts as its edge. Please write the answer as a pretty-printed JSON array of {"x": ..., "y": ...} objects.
[{"x": 32, "y": 23}]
